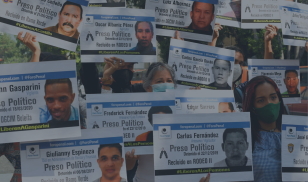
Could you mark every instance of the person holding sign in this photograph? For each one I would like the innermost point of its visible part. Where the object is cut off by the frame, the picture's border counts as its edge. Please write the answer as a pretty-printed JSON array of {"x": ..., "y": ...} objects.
[
  {"x": 221, "y": 71},
  {"x": 271, "y": 32},
  {"x": 263, "y": 100},
  {"x": 202, "y": 14},
  {"x": 291, "y": 81},
  {"x": 70, "y": 16},
  {"x": 144, "y": 34},
  {"x": 37, "y": 56},
  {"x": 58, "y": 96},
  {"x": 110, "y": 162},
  {"x": 235, "y": 146}
]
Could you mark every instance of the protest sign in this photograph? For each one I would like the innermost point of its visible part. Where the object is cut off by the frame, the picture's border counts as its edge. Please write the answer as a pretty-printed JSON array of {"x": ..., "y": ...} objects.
[
  {"x": 107, "y": 3},
  {"x": 194, "y": 22},
  {"x": 38, "y": 101},
  {"x": 204, "y": 101},
  {"x": 117, "y": 32},
  {"x": 229, "y": 13},
  {"x": 285, "y": 73},
  {"x": 294, "y": 148},
  {"x": 85, "y": 158},
  {"x": 258, "y": 14},
  {"x": 131, "y": 111},
  {"x": 56, "y": 23},
  {"x": 194, "y": 65},
  {"x": 294, "y": 18},
  {"x": 187, "y": 147}
]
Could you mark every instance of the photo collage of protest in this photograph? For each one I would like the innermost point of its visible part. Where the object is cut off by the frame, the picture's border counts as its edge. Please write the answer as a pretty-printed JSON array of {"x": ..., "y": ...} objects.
[{"x": 153, "y": 90}]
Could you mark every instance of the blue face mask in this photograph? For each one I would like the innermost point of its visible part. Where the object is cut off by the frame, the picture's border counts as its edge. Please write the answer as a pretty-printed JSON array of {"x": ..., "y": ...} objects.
[{"x": 161, "y": 87}]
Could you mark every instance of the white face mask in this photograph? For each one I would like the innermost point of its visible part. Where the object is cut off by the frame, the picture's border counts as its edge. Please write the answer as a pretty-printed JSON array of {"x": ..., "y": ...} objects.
[{"x": 237, "y": 72}]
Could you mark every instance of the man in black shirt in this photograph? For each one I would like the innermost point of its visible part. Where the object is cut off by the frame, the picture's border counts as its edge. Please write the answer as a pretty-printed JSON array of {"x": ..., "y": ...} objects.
[{"x": 221, "y": 71}]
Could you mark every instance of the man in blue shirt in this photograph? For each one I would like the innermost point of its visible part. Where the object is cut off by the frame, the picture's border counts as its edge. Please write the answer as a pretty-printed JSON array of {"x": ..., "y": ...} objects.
[
  {"x": 144, "y": 34},
  {"x": 58, "y": 96}
]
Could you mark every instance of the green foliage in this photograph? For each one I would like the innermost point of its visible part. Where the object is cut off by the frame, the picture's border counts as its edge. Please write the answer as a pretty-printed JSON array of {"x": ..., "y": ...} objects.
[
  {"x": 303, "y": 1},
  {"x": 245, "y": 39},
  {"x": 137, "y": 4},
  {"x": 9, "y": 51},
  {"x": 163, "y": 46}
]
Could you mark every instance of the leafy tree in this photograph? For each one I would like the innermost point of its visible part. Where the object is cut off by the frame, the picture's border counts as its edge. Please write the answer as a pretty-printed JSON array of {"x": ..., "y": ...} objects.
[{"x": 9, "y": 51}]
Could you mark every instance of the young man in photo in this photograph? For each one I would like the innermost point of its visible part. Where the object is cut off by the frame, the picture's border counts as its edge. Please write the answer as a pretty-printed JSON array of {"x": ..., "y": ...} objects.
[
  {"x": 58, "y": 97},
  {"x": 221, "y": 71},
  {"x": 291, "y": 81},
  {"x": 144, "y": 33},
  {"x": 110, "y": 162},
  {"x": 234, "y": 145}
]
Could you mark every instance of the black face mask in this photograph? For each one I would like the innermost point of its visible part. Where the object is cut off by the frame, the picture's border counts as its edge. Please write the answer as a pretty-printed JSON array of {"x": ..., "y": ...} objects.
[{"x": 122, "y": 78}]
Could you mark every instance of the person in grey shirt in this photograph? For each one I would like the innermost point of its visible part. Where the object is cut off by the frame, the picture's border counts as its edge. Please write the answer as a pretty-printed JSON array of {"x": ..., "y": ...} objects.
[
  {"x": 234, "y": 145},
  {"x": 110, "y": 162}
]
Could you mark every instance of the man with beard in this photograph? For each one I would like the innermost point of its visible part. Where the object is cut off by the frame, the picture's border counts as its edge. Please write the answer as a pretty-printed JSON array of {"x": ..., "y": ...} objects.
[
  {"x": 144, "y": 34},
  {"x": 235, "y": 146},
  {"x": 70, "y": 16},
  {"x": 58, "y": 96}
]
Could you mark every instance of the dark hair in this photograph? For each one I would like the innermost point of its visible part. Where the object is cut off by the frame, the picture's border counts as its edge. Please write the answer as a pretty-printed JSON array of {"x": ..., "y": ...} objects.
[
  {"x": 248, "y": 105},
  {"x": 153, "y": 68},
  {"x": 229, "y": 63},
  {"x": 231, "y": 106},
  {"x": 71, "y": 3},
  {"x": 234, "y": 130},
  {"x": 290, "y": 71},
  {"x": 157, "y": 109},
  {"x": 150, "y": 24},
  {"x": 193, "y": 6},
  {"x": 62, "y": 80},
  {"x": 235, "y": 48},
  {"x": 46, "y": 56},
  {"x": 112, "y": 145}
]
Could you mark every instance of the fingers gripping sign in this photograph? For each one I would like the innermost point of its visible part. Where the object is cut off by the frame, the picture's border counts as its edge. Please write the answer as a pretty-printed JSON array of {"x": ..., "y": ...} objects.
[{"x": 30, "y": 41}]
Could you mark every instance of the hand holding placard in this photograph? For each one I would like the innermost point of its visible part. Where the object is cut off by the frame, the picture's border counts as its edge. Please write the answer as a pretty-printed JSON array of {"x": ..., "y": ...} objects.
[
  {"x": 30, "y": 41},
  {"x": 131, "y": 159}
]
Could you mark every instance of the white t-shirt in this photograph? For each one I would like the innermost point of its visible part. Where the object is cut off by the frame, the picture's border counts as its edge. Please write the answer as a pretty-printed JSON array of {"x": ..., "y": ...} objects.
[{"x": 145, "y": 170}]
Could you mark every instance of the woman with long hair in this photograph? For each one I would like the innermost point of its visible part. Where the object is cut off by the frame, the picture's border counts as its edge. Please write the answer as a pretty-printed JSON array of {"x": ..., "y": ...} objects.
[{"x": 263, "y": 100}]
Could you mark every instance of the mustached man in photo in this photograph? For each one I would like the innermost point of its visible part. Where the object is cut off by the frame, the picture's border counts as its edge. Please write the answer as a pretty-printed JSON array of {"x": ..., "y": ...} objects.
[
  {"x": 202, "y": 15},
  {"x": 70, "y": 16}
]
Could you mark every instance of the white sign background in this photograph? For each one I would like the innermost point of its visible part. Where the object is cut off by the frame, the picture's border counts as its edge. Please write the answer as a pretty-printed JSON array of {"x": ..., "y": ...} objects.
[
  {"x": 260, "y": 13},
  {"x": 89, "y": 140},
  {"x": 177, "y": 16},
  {"x": 104, "y": 30},
  {"x": 201, "y": 101},
  {"x": 30, "y": 113},
  {"x": 117, "y": 111},
  {"x": 294, "y": 149},
  {"x": 22, "y": 8},
  {"x": 294, "y": 18},
  {"x": 175, "y": 139},
  {"x": 194, "y": 65},
  {"x": 275, "y": 69}
]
